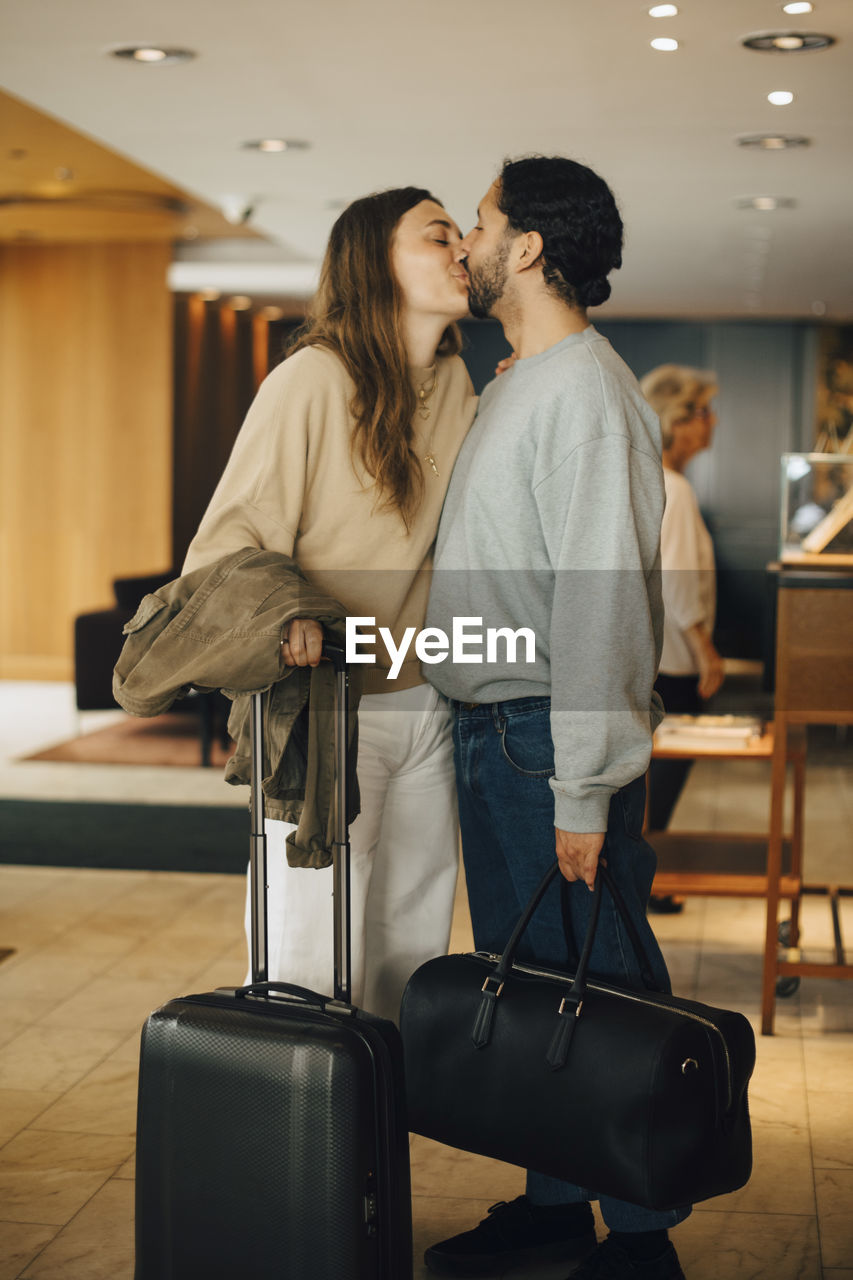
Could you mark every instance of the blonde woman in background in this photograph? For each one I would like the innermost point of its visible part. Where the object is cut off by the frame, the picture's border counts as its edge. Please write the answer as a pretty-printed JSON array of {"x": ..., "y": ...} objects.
[{"x": 691, "y": 669}]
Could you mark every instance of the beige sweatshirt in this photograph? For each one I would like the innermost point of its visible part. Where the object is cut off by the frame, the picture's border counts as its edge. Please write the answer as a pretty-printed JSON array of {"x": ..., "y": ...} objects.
[{"x": 293, "y": 484}]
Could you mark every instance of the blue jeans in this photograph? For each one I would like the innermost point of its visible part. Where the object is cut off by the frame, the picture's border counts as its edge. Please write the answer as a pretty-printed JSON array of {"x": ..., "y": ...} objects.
[{"x": 504, "y": 758}]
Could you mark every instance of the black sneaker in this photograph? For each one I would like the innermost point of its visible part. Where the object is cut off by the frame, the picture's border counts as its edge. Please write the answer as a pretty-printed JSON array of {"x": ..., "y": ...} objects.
[
  {"x": 514, "y": 1233},
  {"x": 610, "y": 1262}
]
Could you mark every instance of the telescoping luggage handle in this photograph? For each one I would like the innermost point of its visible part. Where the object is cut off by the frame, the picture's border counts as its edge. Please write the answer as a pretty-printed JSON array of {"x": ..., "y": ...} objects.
[{"x": 340, "y": 846}]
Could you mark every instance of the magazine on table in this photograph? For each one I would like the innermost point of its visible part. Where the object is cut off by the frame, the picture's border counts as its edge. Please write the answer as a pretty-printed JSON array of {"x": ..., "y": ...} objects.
[{"x": 707, "y": 731}]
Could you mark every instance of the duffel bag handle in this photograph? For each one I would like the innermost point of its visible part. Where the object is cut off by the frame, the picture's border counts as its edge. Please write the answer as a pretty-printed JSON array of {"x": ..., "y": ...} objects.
[
  {"x": 604, "y": 875},
  {"x": 573, "y": 1000},
  {"x": 646, "y": 970}
]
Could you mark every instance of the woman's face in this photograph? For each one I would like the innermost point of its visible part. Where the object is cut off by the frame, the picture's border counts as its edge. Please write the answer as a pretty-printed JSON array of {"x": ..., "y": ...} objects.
[
  {"x": 693, "y": 434},
  {"x": 426, "y": 261}
]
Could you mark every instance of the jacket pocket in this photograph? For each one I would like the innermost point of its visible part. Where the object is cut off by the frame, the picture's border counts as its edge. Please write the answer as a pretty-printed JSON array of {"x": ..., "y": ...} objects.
[{"x": 149, "y": 607}]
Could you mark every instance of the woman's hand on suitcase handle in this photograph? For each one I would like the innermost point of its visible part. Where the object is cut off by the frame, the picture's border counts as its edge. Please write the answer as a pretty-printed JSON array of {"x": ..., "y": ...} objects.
[
  {"x": 302, "y": 644},
  {"x": 578, "y": 854}
]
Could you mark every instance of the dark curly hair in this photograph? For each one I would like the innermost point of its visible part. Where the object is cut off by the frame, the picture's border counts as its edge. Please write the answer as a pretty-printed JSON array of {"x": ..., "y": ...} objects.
[{"x": 575, "y": 214}]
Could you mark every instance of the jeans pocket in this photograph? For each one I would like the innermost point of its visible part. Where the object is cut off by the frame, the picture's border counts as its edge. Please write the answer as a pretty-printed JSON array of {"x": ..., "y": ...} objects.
[{"x": 527, "y": 746}]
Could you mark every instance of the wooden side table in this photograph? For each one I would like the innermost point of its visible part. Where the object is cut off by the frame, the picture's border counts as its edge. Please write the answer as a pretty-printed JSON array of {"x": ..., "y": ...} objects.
[
  {"x": 814, "y": 685},
  {"x": 730, "y": 864}
]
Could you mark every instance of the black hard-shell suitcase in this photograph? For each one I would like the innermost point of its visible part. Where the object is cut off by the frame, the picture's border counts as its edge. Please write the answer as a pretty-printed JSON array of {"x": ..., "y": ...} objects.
[{"x": 271, "y": 1136}]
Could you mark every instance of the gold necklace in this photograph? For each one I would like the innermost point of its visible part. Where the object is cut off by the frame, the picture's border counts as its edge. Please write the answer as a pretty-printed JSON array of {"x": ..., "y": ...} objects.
[{"x": 424, "y": 396}]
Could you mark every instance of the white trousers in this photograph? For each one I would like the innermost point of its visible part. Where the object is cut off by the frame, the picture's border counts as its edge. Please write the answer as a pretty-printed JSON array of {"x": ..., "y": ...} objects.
[{"x": 404, "y": 862}]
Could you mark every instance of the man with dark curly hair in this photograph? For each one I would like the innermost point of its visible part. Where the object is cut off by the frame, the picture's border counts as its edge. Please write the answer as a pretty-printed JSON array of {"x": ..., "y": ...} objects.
[{"x": 552, "y": 522}]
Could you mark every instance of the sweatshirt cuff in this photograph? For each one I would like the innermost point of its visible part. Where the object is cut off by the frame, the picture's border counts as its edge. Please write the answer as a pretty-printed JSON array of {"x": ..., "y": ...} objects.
[{"x": 586, "y": 813}]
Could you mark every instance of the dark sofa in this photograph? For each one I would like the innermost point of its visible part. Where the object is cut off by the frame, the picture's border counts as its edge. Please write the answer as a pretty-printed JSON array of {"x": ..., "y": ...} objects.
[{"x": 98, "y": 640}]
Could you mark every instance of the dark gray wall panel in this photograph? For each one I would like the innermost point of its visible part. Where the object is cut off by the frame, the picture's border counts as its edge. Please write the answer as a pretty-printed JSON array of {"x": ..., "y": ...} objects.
[
  {"x": 643, "y": 344},
  {"x": 765, "y": 408}
]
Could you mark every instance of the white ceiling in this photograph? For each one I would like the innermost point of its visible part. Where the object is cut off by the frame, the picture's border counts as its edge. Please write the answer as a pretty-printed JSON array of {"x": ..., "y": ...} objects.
[{"x": 391, "y": 92}]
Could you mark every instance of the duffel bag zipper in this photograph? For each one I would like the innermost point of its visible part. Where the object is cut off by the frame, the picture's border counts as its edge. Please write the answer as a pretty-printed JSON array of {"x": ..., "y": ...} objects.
[{"x": 638, "y": 999}]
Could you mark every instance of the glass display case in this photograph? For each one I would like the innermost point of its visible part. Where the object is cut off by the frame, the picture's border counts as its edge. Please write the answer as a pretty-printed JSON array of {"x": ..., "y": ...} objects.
[{"x": 817, "y": 509}]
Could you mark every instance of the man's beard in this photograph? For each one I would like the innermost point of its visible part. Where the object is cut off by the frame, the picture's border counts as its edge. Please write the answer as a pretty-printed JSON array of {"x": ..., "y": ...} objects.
[{"x": 487, "y": 282}]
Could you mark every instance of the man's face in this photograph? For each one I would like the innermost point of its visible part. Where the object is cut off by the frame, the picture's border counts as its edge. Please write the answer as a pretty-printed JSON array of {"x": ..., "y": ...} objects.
[{"x": 487, "y": 249}]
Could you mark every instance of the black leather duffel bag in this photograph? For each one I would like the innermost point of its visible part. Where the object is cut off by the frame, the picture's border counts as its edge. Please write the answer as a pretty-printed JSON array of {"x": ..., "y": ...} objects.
[{"x": 632, "y": 1094}]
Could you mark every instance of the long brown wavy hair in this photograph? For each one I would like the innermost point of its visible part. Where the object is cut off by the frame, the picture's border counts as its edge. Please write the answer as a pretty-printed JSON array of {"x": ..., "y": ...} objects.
[{"x": 356, "y": 313}]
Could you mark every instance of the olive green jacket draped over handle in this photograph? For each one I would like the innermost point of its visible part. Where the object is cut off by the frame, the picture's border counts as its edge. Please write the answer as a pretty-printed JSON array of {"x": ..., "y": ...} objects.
[{"x": 220, "y": 627}]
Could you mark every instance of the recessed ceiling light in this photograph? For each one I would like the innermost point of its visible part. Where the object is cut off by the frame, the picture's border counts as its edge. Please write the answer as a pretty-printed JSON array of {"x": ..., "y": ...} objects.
[
  {"x": 153, "y": 54},
  {"x": 277, "y": 144},
  {"x": 665, "y": 44},
  {"x": 663, "y": 11},
  {"x": 798, "y": 6},
  {"x": 240, "y": 303},
  {"x": 787, "y": 41},
  {"x": 273, "y": 313},
  {"x": 209, "y": 295},
  {"x": 773, "y": 141},
  {"x": 819, "y": 308},
  {"x": 780, "y": 97},
  {"x": 765, "y": 204}
]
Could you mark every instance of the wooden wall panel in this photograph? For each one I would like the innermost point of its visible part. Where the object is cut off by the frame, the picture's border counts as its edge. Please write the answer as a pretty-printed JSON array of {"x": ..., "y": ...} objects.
[
  {"x": 221, "y": 358},
  {"x": 85, "y": 438},
  {"x": 214, "y": 386}
]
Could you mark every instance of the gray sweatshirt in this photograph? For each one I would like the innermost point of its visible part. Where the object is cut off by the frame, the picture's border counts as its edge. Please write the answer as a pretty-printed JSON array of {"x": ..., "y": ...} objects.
[{"x": 552, "y": 523}]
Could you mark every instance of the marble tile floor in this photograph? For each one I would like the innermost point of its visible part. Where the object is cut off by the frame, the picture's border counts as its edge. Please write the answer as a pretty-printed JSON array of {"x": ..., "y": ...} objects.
[{"x": 96, "y": 950}]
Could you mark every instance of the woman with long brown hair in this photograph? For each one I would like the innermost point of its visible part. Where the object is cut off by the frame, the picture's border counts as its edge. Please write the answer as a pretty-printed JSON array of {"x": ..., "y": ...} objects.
[{"x": 343, "y": 463}]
